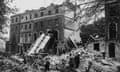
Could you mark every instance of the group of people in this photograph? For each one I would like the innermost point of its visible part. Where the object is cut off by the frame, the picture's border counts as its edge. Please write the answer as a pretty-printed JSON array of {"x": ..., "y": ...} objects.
[
  {"x": 47, "y": 66},
  {"x": 74, "y": 61}
]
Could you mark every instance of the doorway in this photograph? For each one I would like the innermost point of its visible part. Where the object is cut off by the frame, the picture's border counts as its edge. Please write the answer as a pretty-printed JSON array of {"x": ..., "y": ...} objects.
[
  {"x": 112, "y": 31},
  {"x": 55, "y": 33},
  {"x": 97, "y": 47},
  {"x": 35, "y": 36},
  {"x": 111, "y": 50}
]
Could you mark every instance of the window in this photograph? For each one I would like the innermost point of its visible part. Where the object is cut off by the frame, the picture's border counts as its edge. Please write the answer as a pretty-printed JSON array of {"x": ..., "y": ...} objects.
[
  {"x": 36, "y": 25},
  {"x": 54, "y": 33},
  {"x": 30, "y": 26},
  {"x": 35, "y": 36},
  {"x": 96, "y": 47},
  {"x": 21, "y": 26},
  {"x": 12, "y": 20},
  {"x": 26, "y": 17},
  {"x": 40, "y": 33},
  {"x": 22, "y": 17},
  {"x": 16, "y": 20},
  {"x": 49, "y": 12},
  {"x": 17, "y": 40},
  {"x": 56, "y": 21},
  {"x": 42, "y": 13},
  {"x": 21, "y": 35},
  {"x": 57, "y": 10},
  {"x": 16, "y": 28},
  {"x": 35, "y": 15},
  {"x": 49, "y": 22},
  {"x": 25, "y": 26},
  {"x": 41, "y": 23},
  {"x": 112, "y": 31},
  {"x": 25, "y": 37},
  {"x": 30, "y": 16},
  {"x": 29, "y": 34},
  {"x": 111, "y": 49}
]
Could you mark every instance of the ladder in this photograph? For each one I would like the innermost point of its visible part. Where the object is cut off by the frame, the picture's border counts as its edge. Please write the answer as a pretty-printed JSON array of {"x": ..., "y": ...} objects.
[
  {"x": 43, "y": 43},
  {"x": 34, "y": 46}
]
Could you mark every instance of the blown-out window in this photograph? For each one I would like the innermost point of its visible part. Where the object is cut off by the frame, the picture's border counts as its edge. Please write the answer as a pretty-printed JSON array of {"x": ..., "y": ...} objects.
[
  {"x": 57, "y": 10},
  {"x": 42, "y": 13},
  {"x": 112, "y": 31},
  {"x": 49, "y": 12},
  {"x": 30, "y": 26},
  {"x": 35, "y": 15},
  {"x": 30, "y": 16},
  {"x": 96, "y": 47}
]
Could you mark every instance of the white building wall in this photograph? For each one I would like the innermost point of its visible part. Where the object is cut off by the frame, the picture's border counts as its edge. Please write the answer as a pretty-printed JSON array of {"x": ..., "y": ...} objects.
[
  {"x": 90, "y": 46},
  {"x": 117, "y": 49}
]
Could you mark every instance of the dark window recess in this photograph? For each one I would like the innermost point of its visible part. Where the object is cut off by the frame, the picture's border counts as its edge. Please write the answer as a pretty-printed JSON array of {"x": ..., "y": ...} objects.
[
  {"x": 29, "y": 34},
  {"x": 35, "y": 15},
  {"x": 25, "y": 37},
  {"x": 35, "y": 36},
  {"x": 57, "y": 11},
  {"x": 21, "y": 26},
  {"x": 49, "y": 22},
  {"x": 41, "y": 23},
  {"x": 16, "y": 36},
  {"x": 30, "y": 26},
  {"x": 96, "y": 47},
  {"x": 30, "y": 16},
  {"x": 111, "y": 50},
  {"x": 113, "y": 11},
  {"x": 16, "y": 28},
  {"x": 40, "y": 33},
  {"x": 56, "y": 21},
  {"x": 22, "y": 17},
  {"x": 112, "y": 31},
  {"x": 54, "y": 33},
  {"x": 36, "y": 25},
  {"x": 42, "y": 13},
  {"x": 49, "y": 12},
  {"x": 26, "y": 17},
  {"x": 25, "y": 26},
  {"x": 12, "y": 20},
  {"x": 21, "y": 35},
  {"x": 16, "y": 20}
]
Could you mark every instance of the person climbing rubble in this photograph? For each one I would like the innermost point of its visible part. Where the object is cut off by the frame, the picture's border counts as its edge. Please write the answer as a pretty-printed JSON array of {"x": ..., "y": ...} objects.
[
  {"x": 71, "y": 61},
  {"x": 77, "y": 60},
  {"x": 47, "y": 66}
]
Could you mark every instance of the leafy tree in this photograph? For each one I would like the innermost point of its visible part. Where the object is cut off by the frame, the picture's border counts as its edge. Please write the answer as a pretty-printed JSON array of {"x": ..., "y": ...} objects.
[
  {"x": 98, "y": 28},
  {"x": 86, "y": 11},
  {"x": 5, "y": 11}
]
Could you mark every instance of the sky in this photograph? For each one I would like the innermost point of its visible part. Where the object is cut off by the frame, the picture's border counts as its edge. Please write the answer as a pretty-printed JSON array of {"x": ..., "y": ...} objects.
[{"x": 23, "y": 5}]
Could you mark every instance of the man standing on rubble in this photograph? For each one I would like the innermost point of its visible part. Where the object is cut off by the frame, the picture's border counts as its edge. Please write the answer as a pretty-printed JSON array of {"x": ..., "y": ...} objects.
[
  {"x": 77, "y": 60},
  {"x": 71, "y": 61},
  {"x": 47, "y": 65}
]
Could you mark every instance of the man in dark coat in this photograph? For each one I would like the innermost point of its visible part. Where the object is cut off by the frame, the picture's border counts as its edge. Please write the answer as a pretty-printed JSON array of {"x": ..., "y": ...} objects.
[
  {"x": 71, "y": 63},
  {"x": 47, "y": 65},
  {"x": 77, "y": 61}
]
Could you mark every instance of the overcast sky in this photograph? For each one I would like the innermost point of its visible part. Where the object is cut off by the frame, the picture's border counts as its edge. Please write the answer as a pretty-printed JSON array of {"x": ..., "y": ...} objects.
[{"x": 23, "y": 5}]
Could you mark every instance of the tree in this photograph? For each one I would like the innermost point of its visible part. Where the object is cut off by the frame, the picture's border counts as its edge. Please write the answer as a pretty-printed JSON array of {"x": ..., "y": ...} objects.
[
  {"x": 5, "y": 11},
  {"x": 97, "y": 28},
  {"x": 88, "y": 14}
]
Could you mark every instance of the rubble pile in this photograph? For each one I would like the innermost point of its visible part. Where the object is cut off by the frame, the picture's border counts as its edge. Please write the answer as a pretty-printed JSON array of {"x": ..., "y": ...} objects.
[
  {"x": 86, "y": 57},
  {"x": 91, "y": 61}
]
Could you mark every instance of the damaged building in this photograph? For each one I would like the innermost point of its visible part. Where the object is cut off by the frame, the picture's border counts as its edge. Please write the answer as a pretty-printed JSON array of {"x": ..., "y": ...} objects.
[
  {"x": 27, "y": 27},
  {"x": 109, "y": 44}
]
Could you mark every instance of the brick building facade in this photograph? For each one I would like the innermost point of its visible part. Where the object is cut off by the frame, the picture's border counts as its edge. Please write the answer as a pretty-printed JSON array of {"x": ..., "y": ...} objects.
[
  {"x": 111, "y": 42},
  {"x": 112, "y": 28},
  {"x": 26, "y": 27}
]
